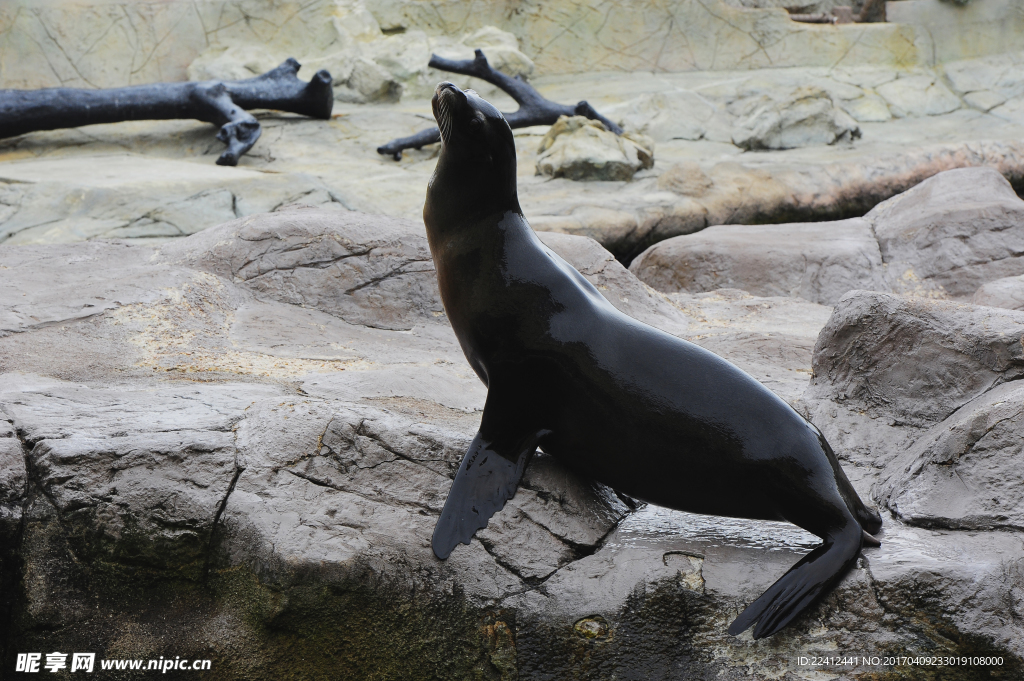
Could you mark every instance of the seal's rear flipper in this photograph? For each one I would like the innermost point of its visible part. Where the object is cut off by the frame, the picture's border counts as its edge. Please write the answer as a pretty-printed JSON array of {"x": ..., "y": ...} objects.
[
  {"x": 488, "y": 477},
  {"x": 815, "y": 574}
]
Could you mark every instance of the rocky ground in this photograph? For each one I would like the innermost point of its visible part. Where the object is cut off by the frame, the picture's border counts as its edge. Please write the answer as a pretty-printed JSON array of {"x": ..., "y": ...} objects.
[
  {"x": 235, "y": 447},
  {"x": 858, "y": 136}
]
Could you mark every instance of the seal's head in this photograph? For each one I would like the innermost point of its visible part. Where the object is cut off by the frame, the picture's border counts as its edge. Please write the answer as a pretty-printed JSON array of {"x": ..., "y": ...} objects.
[{"x": 476, "y": 171}]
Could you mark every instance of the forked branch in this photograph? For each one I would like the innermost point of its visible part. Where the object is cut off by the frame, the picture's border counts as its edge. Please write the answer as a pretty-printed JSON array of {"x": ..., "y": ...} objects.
[
  {"x": 222, "y": 103},
  {"x": 533, "y": 108}
]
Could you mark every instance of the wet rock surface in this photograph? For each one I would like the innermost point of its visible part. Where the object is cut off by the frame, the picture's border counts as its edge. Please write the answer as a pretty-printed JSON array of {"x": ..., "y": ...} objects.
[
  {"x": 954, "y": 232},
  {"x": 199, "y": 462}
]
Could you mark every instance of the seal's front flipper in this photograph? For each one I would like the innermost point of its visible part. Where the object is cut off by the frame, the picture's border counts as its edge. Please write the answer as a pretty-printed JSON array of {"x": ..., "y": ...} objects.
[{"x": 488, "y": 477}]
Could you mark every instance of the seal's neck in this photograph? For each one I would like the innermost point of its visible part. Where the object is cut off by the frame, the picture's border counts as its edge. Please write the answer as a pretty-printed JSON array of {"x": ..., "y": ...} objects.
[{"x": 460, "y": 196}]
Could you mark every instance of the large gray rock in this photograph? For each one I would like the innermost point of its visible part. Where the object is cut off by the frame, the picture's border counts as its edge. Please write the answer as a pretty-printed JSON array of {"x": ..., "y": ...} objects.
[
  {"x": 1007, "y": 292},
  {"x": 372, "y": 271},
  {"x": 216, "y": 471},
  {"x": 967, "y": 472},
  {"x": 921, "y": 397},
  {"x": 915, "y": 360},
  {"x": 816, "y": 262},
  {"x": 944, "y": 238},
  {"x": 953, "y": 232},
  {"x": 137, "y": 476}
]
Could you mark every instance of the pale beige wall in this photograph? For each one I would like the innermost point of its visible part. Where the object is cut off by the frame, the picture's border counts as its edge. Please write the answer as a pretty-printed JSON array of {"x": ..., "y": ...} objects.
[
  {"x": 951, "y": 32},
  {"x": 108, "y": 43},
  {"x": 669, "y": 35}
]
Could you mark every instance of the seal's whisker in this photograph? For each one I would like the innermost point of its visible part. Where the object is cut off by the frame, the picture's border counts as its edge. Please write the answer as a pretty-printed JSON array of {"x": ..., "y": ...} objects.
[
  {"x": 446, "y": 121},
  {"x": 443, "y": 119}
]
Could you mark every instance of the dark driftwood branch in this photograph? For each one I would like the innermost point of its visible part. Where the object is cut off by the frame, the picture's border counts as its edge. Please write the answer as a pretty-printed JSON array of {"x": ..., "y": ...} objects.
[
  {"x": 533, "y": 108},
  {"x": 222, "y": 103}
]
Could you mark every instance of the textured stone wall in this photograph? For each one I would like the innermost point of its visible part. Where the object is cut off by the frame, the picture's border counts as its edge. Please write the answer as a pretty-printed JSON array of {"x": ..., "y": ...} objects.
[
  {"x": 110, "y": 43},
  {"x": 658, "y": 35},
  {"x": 107, "y": 43}
]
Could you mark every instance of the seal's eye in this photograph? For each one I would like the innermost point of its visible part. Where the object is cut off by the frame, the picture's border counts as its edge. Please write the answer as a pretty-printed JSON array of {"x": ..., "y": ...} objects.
[{"x": 475, "y": 124}]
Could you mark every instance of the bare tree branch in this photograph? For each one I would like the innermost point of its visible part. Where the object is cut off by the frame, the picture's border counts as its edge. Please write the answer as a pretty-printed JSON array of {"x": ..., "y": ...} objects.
[
  {"x": 533, "y": 108},
  {"x": 222, "y": 103}
]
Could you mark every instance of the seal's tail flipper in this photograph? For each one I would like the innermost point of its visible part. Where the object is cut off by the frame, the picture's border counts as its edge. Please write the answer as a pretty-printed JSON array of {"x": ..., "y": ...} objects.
[
  {"x": 488, "y": 477},
  {"x": 815, "y": 574}
]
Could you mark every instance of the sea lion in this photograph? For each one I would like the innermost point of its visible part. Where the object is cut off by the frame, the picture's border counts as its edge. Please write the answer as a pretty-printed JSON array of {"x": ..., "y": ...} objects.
[{"x": 646, "y": 413}]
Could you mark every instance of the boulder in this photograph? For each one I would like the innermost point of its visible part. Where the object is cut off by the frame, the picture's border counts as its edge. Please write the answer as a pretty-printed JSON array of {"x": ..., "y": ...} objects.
[
  {"x": 915, "y": 360},
  {"x": 804, "y": 117},
  {"x": 368, "y": 271},
  {"x": 966, "y": 472},
  {"x": 1007, "y": 292},
  {"x": 578, "y": 148},
  {"x": 953, "y": 232},
  {"x": 922, "y": 399},
  {"x": 812, "y": 261},
  {"x": 944, "y": 238}
]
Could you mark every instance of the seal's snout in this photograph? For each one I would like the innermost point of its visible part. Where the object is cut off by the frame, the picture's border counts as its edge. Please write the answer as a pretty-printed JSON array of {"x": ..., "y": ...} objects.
[
  {"x": 444, "y": 86},
  {"x": 443, "y": 102}
]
